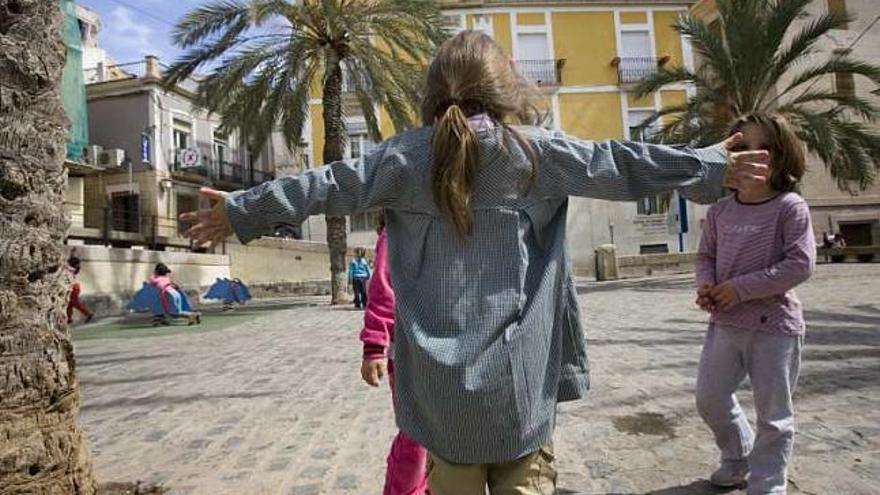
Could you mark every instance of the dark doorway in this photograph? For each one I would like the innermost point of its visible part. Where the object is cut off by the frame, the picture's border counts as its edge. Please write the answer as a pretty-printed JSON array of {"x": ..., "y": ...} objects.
[{"x": 125, "y": 211}]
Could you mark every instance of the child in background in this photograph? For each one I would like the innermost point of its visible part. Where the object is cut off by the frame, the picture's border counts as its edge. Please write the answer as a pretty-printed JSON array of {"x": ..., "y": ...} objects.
[
  {"x": 174, "y": 302},
  {"x": 359, "y": 273},
  {"x": 406, "y": 469},
  {"x": 73, "y": 267},
  {"x": 757, "y": 246},
  {"x": 488, "y": 335}
]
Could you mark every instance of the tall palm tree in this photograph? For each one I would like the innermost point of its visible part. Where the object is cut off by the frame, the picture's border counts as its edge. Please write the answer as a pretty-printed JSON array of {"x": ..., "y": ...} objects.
[
  {"x": 41, "y": 447},
  {"x": 763, "y": 56},
  {"x": 265, "y": 58}
]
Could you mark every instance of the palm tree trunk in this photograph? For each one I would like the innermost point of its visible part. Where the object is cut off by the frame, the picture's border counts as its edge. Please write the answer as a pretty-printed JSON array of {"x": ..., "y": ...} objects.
[
  {"x": 42, "y": 450},
  {"x": 334, "y": 148}
]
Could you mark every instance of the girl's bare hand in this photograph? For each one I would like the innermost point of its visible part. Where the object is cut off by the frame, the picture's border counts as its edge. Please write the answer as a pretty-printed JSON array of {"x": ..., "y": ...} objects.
[
  {"x": 745, "y": 168},
  {"x": 372, "y": 371},
  {"x": 724, "y": 296},
  {"x": 210, "y": 225},
  {"x": 704, "y": 299}
]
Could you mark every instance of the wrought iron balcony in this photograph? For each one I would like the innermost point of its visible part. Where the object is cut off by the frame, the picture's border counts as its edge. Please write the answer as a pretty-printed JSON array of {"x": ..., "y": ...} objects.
[
  {"x": 234, "y": 175},
  {"x": 199, "y": 167},
  {"x": 632, "y": 70},
  {"x": 257, "y": 177},
  {"x": 229, "y": 172},
  {"x": 542, "y": 72}
]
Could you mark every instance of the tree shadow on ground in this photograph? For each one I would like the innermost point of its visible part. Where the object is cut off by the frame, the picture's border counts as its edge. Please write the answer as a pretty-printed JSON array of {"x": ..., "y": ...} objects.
[
  {"x": 834, "y": 381},
  {"x": 85, "y": 362},
  {"x": 700, "y": 487},
  {"x": 166, "y": 400},
  {"x": 695, "y": 340},
  {"x": 639, "y": 285},
  {"x": 130, "y": 489},
  {"x": 134, "y": 379},
  {"x": 838, "y": 317}
]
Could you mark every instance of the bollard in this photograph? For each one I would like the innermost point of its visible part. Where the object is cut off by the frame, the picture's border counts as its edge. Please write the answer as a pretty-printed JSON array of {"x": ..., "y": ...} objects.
[{"x": 606, "y": 263}]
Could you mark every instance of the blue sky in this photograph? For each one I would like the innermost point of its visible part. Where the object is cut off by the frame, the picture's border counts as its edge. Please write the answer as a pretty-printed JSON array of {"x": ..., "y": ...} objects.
[{"x": 134, "y": 28}]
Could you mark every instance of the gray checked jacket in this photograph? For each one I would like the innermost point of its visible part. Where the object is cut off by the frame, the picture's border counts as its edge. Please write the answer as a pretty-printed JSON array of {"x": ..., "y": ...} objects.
[{"x": 488, "y": 335}]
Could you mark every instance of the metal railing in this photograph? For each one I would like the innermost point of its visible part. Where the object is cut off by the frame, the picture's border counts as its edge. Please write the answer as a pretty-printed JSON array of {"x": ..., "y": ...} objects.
[
  {"x": 257, "y": 177},
  {"x": 117, "y": 224},
  {"x": 631, "y": 70},
  {"x": 202, "y": 169},
  {"x": 115, "y": 72},
  {"x": 222, "y": 172},
  {"x": 229, "y": 172},
  {"x": 542, "y": 72},
  {"x": 149, "y": 67}
]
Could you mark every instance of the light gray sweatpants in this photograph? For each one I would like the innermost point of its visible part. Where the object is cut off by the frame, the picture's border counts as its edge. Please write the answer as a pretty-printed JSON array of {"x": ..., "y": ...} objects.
[{"x": 771, "y": 361}]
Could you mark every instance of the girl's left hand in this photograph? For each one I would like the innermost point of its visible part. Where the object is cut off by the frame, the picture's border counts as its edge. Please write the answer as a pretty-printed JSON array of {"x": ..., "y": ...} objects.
[
  {"x": 211, "y": 224},
  {"x": 725, "y": 296},
  {"x": 372, "y": 371}
]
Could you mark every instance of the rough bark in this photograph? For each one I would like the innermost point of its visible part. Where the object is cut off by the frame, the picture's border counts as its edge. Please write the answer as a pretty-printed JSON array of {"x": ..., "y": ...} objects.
[
  {"x": 334, "y": 149},
  {"x": 42, "y": 450}
]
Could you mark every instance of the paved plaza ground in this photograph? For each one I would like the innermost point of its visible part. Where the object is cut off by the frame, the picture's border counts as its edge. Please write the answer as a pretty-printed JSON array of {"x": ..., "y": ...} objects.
[{"x": 270, "y": 401}]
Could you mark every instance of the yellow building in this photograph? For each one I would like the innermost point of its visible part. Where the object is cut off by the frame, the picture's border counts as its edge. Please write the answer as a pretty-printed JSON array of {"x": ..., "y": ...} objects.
[{"x": 586, "y": 55}]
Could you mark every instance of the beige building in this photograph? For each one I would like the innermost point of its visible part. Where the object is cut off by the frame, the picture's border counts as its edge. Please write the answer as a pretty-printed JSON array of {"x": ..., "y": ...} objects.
[
  {"x": 150, "y": 149},
  {"x": 156, "y": 148},
  {"x": 856, "y": 216}
]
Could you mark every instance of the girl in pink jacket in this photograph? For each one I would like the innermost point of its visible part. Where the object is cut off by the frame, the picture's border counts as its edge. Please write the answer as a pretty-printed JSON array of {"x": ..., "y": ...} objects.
[{"x": 406, "y": 473}]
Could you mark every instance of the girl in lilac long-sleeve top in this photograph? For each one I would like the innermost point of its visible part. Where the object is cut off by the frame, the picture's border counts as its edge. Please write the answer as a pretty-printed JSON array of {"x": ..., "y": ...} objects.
[
  {"x": 757, "y": 246},
  {"x": 406, "y": 472}
]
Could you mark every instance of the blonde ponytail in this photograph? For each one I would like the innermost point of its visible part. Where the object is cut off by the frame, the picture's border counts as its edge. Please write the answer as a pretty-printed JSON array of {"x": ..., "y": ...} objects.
[{"x": 456, "y": 153}]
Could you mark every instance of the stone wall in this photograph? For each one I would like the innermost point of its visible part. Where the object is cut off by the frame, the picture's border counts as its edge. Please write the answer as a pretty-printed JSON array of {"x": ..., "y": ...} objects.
[
  {"x": 272, "y": 261},
  {"x": 270, "y": 267},
  {"x": 647, "y": 265}
]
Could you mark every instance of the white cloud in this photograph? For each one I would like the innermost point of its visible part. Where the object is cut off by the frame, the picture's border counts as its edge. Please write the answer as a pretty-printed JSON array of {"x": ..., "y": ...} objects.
[{"x": 126, "y": 38}]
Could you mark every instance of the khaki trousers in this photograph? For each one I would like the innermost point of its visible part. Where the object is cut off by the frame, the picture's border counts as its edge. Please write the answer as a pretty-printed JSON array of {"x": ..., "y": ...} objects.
[{"x": 532, "y": 474}]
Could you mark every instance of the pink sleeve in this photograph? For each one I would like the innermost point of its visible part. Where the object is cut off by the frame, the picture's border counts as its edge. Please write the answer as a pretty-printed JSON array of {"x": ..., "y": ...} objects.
[{"x": 379, "y": 315}]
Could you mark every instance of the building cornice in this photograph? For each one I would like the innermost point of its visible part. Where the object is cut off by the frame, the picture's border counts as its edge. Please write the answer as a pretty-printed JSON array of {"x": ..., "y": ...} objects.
[
  {"x": 121, "y": 87},
  {"x": 478, "y": 4}
]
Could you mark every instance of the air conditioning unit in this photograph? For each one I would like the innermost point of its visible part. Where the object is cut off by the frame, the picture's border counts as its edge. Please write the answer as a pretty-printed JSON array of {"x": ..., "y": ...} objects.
[
  {"x": 111, "y": 158},
  {"x": 93, "y": 153}
]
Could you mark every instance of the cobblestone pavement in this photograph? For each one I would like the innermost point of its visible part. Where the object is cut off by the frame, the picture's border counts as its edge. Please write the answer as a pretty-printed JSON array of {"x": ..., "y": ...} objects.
[{"x": 276, "y": 405}]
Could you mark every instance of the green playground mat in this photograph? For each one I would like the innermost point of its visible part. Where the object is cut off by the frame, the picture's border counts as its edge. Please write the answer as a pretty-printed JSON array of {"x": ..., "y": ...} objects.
[{"x": 140, "y": 325}]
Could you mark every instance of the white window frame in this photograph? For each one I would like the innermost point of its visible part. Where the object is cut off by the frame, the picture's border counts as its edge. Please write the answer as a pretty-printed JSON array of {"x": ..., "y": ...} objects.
[
  {"x": 456, "y": 24},
  {"x": 487, "y": 25},
  {"x": 220, "y": 141},
  {"x": 185, "y": 127}
]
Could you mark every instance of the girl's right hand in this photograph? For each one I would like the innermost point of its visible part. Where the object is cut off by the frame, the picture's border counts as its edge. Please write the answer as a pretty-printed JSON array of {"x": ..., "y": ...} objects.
[
  {"x": 704, "y": 298},
  {"x": 211, "y": 225},
  {"x": 372, "y": 371}
]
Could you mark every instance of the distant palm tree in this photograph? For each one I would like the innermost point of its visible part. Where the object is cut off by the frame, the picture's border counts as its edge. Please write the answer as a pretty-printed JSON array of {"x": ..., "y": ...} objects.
[
  {"x": 266, "y": 57},
  {"x": 756, "y": 59}
]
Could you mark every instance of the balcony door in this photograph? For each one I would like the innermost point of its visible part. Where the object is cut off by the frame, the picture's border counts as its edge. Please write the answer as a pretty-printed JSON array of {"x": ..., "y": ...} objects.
[
  {"x": 636, "y": 55},
  {"x": 533, "y": 57},
  {"x": 635, "y": 44}
]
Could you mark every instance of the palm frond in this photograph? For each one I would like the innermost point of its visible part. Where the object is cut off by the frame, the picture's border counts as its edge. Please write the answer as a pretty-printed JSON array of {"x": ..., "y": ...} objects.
[
  {"x": 803, "y": 42},
  {"x": 208, "y": 20},
  {"x": 861, "y": 107},
  {"x": 843, "y": 64},
  {"x": 265, "y": 55},
  {"x": 709, "y": 46},
  {"x": 762, "y": 61}
]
